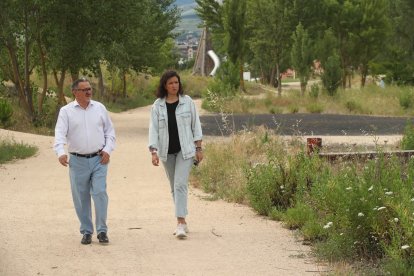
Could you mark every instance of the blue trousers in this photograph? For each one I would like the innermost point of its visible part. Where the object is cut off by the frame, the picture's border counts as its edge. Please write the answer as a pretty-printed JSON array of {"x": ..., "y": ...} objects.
[
  {"x": 178, "y": 170},
  {"x": 88, "y": 178}
]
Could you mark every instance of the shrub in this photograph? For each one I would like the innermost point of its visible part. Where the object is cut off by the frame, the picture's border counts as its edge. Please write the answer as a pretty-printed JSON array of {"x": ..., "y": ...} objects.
[
  {"x": 353, "y": 106},
  {"x": 406, "y": 99},
  {"x": 407, "y": 142},
  {"x": 314, "y": 92},
  {"x": 314, "y": 108},
  {"x": 6, "y": 112}
]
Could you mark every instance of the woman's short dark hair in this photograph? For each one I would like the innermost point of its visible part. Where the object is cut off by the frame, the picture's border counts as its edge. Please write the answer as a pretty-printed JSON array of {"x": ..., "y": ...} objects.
[{"x": 161, "y": 91}]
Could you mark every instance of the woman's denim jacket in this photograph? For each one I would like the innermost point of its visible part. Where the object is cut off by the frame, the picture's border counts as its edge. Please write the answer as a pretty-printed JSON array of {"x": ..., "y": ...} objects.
[{"x": 188, "y": 124}]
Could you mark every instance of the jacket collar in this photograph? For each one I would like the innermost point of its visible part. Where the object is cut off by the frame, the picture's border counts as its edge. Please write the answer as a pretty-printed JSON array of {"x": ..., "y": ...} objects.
[{"x": 181, "y": 100}]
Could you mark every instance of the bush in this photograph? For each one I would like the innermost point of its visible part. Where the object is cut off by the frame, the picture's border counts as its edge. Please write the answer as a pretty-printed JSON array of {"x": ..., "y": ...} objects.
[
  {"x": 407, "y": 142},
  {"x": 406, "y": 99},
  {"x": 6, "y": 112},
  {"x": 353, "y": 106},
  {"x": 314, "y": 108},
  {"x": 314, "y": 92}
]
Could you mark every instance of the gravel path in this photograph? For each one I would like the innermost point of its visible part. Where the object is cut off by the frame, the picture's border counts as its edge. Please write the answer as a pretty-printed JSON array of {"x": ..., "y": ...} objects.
[{"x": 39, "y": 229}]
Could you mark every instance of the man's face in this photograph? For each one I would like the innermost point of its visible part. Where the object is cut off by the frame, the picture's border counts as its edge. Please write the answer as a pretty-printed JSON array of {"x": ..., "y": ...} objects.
[{"x": 83, "y": 93}]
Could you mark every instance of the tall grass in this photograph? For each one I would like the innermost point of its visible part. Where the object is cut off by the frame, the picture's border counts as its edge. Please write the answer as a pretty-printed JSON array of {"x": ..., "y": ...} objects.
[
  {"x": 371, "y": 100},
  {"x": 351, "y": 211},
  {"x": 10, "y": 150}
]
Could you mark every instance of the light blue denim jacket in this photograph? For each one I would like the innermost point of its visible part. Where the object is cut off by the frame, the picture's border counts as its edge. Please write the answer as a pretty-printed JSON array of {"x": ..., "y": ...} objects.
[{"x": 188, "y": 124}]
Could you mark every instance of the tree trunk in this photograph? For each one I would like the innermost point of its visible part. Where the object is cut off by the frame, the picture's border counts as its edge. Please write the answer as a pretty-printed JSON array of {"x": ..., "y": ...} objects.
[
  {"x": 44, "y": 74},
  {"x": 241, "y": 69},
  {"x": 124, "y": 85},
  {"x": 303, "y": 84},
  {"x": 74, "y": 75},
  {"x": 59, "y": 83},
  {"x": 18, "y": 80},
  {"x": 101, "y": 85},
  {"x": 364, "y": 73},
  {"x": 27, "y": 88},
  {"x": 279, "y": 80}
]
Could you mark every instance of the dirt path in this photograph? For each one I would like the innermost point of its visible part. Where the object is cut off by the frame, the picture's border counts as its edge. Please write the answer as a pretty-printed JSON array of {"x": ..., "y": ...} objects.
[{"x": 39, "y": 229}]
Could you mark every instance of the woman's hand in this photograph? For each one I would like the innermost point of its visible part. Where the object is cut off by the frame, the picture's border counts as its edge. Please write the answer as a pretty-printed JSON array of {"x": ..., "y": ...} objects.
[
  {"x": 199, "y": 156},
  {"x": 155, "y": 159}
]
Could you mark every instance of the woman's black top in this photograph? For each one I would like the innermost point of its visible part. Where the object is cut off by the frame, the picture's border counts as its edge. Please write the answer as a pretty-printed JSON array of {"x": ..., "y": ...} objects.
[{"x": 174, "y": 143}]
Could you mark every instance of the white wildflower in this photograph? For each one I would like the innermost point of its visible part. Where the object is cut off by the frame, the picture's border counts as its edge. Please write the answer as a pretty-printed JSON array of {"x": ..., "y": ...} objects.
[
  {"x": 328, "y": 225},
  {"x": 389, "y": 193},
  {"x": 370, "y": 188},
  {"x": 341, "y": 234},
  {"x": 381, "y": 208},
  {"x": 348, "y": 188},
  {"x": 396, "y": 220},
  {"x": 404, "y": 247},
  {"x": 282, "y": 187},
  {"x": 412, "y": 200},
  {"x": 361, "y": 214}
]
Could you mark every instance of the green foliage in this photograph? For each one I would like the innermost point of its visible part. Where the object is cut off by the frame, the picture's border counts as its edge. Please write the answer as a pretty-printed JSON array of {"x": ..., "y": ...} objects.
[
  {"x": 357, "y": 210},
  {"x": 314, "y": 92},
  {"x": 10, "y": 150},
  {"x": 301, "y": 55},
  {"x": 6, "y": 112},
  {"x": 407, "y": 142},
  {"x": 406, "y": 98},
  {"x": 353, "y": 106},
  {"x": 314, "y": 107},
  {"x": 331, "y": 77}
]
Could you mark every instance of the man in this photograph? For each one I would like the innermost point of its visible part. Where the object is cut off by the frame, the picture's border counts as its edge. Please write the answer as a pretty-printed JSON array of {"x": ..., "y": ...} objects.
[{"x": 84, "y": 125}]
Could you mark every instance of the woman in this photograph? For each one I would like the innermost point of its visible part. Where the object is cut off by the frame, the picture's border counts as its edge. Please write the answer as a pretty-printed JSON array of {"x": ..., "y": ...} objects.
[{"x": 175, "y": 139}]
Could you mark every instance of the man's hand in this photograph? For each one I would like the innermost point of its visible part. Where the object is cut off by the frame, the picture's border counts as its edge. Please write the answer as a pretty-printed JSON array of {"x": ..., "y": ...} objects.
[
  {"x": 104, "y": 157},
  {"x": 199, "y": 156},
  {"x": 63, "y": 159}
]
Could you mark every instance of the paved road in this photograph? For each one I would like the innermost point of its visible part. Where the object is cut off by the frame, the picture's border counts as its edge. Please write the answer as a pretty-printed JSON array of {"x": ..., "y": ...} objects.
[{"x": 307, "y": 124}]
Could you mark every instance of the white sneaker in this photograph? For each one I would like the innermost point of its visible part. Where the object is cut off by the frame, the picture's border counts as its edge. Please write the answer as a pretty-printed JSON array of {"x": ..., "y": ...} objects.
[
  {"x": 180, "y": 232},
  {"x": 185, "y": 229}
]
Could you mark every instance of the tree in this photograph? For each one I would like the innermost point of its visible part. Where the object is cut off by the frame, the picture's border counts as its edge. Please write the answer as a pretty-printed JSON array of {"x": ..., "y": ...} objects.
[
  {"x": 301, "y": 55},
  {"x": 331, "y": 77},
  {"x": 270, "y": 37},
  {"x": 235, "y": 28}
]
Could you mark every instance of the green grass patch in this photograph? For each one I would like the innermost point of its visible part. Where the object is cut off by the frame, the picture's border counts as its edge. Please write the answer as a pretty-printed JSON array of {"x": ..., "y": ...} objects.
[{"x": 11, "y": 150}]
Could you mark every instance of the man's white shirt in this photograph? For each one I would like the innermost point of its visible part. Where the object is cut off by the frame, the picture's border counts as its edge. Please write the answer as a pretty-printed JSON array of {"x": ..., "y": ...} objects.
[{"x": 84, "y": 131}]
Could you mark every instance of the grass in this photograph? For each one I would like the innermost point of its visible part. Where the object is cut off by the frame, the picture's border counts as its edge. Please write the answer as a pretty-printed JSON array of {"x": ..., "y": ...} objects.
[
  {"x": 361, "y": 210},
  {"x": 11, "y": 150},
  {"x": 371, "y": 100}
]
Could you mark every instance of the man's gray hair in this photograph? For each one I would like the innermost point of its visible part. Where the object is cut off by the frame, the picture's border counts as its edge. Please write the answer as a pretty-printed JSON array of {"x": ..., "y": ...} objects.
[{"x": 76, "y": 82}]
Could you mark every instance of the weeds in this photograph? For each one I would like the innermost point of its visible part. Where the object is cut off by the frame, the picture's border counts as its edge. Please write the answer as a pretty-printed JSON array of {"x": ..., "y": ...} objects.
[
  {"x": 351, "y": 211},
  {"x": 10, "y": 150}
]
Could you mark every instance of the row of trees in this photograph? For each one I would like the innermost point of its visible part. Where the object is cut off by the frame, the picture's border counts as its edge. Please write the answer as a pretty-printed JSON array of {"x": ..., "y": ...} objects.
[
  {"x": 371, "y": 36},
  {"x": 62, "y": 38}
]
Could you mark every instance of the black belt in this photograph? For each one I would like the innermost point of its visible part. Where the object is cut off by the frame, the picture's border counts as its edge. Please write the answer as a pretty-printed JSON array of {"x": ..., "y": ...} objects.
[{"x": 90, "y": 155}]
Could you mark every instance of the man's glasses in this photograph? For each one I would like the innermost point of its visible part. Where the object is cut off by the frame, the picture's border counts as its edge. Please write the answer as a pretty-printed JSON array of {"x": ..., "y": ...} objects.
[{"x": 84, "y": 89}]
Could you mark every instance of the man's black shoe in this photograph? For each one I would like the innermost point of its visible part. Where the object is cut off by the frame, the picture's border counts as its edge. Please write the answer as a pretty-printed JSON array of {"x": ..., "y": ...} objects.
[
  {"x": 86, "y": 239},
  {"x": 103, "y": 238}
]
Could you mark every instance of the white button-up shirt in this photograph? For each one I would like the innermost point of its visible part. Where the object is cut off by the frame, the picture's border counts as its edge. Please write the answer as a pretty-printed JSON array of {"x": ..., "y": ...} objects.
[{"x": 84, "y": 131}]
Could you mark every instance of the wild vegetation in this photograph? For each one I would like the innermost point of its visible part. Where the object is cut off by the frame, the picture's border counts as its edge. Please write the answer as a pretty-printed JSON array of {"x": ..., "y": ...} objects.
[
  {"x": 349, "y": 210},
  {"x": 11, "y": 150}
]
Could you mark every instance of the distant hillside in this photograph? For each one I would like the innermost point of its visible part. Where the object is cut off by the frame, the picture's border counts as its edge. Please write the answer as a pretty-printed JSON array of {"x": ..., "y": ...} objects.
[{"x": 189, "y": 19}]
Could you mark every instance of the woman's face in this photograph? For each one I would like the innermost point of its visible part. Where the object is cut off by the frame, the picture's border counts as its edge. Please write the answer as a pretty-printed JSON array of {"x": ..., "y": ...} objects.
[{"x": 172, "y": 86}]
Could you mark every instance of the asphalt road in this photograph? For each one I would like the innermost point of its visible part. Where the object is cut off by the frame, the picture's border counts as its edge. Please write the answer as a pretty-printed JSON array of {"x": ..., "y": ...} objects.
[{"x": 306, "y": 124}]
